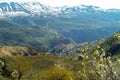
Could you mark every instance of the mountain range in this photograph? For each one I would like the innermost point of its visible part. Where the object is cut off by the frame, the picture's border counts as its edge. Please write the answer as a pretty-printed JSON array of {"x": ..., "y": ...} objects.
[
  {"x": 46, "y": 28},
  {"x": 37, "y": 9}
]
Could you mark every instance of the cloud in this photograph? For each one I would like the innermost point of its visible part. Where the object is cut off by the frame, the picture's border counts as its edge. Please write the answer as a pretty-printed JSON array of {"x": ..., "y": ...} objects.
[{"x": 101, "y": 3}]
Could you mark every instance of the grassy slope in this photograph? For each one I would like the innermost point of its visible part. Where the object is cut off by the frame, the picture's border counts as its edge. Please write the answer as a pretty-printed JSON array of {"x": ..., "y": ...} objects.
[{"x": 44, "y": 62}]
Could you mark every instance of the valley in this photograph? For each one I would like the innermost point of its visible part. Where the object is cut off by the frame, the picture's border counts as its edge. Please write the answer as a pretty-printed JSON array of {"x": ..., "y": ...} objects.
[{"x": 46, "y": 27}]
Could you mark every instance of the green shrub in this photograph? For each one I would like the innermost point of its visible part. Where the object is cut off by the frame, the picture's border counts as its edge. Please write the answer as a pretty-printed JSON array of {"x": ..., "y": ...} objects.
[{"x": 55, "y": 73}]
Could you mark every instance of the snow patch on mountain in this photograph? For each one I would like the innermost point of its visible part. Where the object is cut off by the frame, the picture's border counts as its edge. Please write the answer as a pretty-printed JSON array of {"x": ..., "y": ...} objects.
[
  {"x": 36, "y": 8},
  {"x": 20, "y": 13}
]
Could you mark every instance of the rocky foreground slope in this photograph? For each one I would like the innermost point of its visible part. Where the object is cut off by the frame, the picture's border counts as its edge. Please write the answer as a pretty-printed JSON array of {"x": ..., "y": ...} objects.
[{"x": 18, "y": 51}]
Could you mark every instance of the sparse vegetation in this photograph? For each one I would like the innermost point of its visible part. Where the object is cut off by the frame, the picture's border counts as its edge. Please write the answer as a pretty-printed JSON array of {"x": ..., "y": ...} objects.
[{"x": 94, "y": 66}]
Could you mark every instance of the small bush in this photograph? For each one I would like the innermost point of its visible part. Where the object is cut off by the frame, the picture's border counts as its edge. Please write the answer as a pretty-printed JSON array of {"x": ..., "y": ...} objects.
[{"x": 55, "y": 73}]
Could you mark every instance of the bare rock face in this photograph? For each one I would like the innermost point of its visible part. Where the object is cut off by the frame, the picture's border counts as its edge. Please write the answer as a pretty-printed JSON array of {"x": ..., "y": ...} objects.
[{"x": 18, "y": 51}]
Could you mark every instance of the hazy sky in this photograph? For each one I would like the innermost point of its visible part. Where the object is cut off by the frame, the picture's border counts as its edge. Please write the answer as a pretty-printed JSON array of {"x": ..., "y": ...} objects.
[{"x": 101, "y": 3}]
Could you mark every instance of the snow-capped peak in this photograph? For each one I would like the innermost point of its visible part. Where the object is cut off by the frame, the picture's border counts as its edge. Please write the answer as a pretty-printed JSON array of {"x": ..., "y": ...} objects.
[
  {"x": 36, "y": 8},
  {"x": 27, "y": 8}
]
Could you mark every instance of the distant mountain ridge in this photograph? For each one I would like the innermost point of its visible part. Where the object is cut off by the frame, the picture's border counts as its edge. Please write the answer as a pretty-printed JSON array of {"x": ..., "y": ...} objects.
[{"x": 36, "y": 8}]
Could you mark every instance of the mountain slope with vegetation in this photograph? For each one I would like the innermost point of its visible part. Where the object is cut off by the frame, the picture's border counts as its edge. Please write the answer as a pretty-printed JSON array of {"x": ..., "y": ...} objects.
[
  {"x": 111, "y": 45},
  {"x": 42, "y": 38}
]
